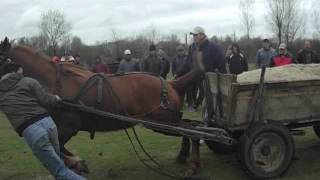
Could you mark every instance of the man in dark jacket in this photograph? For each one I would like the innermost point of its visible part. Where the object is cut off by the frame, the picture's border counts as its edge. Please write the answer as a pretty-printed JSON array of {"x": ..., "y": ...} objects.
[
  {"x": 152, "y": 62},
  {"x": 237, "y": 62},
  {"x": 178, "y": 60},
  {"x": 307, "y": 55},
  {"x": 22, "y": 100},
  {"x": 128, "y": 64},
  {"x": 203, "y": 55}
]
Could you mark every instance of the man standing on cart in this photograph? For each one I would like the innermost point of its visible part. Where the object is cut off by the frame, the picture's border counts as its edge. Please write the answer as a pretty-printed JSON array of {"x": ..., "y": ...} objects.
[{"x": 203, "y": 55}]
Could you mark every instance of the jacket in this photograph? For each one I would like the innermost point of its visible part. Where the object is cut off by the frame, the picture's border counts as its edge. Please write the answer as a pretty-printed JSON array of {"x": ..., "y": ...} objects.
[
  {"x": 21, "y": 100},
  {"x": 129, "y": 66},
  {"x": 237, "y": 63},
  {"x": 304, "y": 59},
  {"x": 264, "y": 57},
  {"x": 281, "y": 60},
  {"x": 206, "y": 56},
  {"x": 152, "y": 64},
  {"x": 101, "y": 68},
  {"x": 177, "y": 62}
]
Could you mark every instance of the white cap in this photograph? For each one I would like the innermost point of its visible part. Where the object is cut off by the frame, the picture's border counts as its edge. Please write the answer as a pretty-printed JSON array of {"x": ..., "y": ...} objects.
[
  {"x": 71, "y": 58},
  {"x": 127, "y": 52},
  {"x": 198, "y": 30},
  {"x": 282, "y": 46}
]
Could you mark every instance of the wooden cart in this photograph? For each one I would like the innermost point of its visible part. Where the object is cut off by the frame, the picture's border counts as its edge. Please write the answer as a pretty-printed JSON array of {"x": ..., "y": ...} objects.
[{"x": 263, "y": 117}]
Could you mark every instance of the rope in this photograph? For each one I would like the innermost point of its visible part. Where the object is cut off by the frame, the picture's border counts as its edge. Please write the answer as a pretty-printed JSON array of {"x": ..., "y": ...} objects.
[{"x": 158, "y": 170}]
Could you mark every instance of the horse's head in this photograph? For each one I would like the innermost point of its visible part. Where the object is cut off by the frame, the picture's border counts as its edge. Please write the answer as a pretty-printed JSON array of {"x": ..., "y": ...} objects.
[{"x": 5, "y": 47}]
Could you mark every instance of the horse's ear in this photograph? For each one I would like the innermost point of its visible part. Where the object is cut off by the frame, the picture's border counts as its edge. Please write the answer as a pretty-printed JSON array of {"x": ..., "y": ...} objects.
[
  {"x": 6, "y": 40},
  {"x": 6, "y": 44}
]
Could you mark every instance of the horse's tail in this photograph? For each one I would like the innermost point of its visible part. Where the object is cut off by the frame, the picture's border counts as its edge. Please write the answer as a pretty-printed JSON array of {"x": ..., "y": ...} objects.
[{"x": 182, "y": 83}]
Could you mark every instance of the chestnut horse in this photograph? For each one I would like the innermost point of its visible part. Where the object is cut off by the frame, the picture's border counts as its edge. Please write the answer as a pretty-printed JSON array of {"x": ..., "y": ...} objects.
[{"x": 136, "y": 95}]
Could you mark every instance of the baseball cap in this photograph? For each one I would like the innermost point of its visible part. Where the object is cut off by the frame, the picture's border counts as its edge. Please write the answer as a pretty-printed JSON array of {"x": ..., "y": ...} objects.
[
  {"x": 127, "y": 52},
  {"x": 197, "y": 30},
  {"x": 282, "y": 46}
]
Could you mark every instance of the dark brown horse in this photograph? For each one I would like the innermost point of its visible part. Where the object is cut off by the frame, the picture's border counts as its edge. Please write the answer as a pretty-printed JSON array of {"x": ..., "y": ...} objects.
[{"x": 136, "y": 95}]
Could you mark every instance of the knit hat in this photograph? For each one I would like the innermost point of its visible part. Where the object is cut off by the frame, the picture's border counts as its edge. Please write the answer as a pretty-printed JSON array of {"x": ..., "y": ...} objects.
[{"x": 152, "y": 47}]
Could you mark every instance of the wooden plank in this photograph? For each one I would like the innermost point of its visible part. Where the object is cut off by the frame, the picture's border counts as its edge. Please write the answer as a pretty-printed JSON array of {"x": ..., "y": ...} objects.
[
  {"x": 290, "y": 84},
  {"x": 281, "y": 104},
  {"x": 226, "y": 81}
]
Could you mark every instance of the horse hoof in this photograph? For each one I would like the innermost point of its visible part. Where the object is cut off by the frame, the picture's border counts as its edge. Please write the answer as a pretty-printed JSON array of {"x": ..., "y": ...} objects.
[
  {"x": 82, "y": 167},
  {"x": 192, "y": 170},
  {"x": 189, "y": 173}
]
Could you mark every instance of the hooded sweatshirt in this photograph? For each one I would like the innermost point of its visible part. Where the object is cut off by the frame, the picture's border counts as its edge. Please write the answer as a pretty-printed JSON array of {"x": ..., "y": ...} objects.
[{"x": 21, "y": 100}]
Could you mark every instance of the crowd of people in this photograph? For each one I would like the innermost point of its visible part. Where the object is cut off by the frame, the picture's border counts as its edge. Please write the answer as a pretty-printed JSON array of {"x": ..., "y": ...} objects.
[{"x": 200, "y": 54}]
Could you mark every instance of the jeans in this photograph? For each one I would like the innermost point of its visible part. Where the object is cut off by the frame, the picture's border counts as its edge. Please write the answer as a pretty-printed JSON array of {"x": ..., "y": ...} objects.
[{"x": 42, "y": 138}]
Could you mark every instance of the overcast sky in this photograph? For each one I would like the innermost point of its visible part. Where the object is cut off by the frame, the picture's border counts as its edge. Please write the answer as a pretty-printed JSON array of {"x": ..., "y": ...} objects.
[{"x": 91, "y": 19}]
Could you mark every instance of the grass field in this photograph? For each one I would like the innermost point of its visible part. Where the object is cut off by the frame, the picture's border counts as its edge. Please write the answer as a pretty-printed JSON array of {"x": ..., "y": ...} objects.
[{"x": 110, "y": 156}]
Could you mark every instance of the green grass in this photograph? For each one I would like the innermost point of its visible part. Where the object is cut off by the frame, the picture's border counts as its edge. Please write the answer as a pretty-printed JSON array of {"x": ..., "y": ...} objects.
[{"x": 110, "y": 156}]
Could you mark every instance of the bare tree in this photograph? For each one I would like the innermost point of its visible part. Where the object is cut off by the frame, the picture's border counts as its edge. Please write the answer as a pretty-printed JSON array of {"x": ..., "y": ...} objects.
[
  {"x": 293, "y": 20},
  {"x": 116, "y": 39},
  {"x": 76, "y": 44},
  {"x": 38, "y": 42},
  {"x": 285, "y": 19},
  {"x": 153, "y": 34},
  {"x": 275, "y": 17},
  {"x": 54, "y": 28},
  {"x": 316, "y": 18},
  {"x": 246, "y": 16}
]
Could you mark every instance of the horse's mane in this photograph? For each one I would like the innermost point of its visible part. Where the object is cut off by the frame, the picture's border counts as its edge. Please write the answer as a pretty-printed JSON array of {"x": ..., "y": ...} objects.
[
  {"x": 37, "y": 54},
  {"x": 68, "y": 69},
  {"x": 74, "y": 70}
]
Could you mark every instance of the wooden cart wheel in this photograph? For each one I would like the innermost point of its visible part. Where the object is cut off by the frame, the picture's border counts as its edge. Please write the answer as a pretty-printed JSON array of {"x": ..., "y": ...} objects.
[
  {"x": 316, "y": 129},
  {"x": 266, "y": 150}
]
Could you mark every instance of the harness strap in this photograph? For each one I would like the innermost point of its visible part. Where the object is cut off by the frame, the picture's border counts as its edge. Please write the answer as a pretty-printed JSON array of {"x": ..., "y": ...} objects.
[
  {"x": 58, "y": 80},
  {"x": 97, "y": 79},
  {"x": 100, "y": 89},
  {"x": 93, "y": 80},
  {"x": 164, "y": 94}
]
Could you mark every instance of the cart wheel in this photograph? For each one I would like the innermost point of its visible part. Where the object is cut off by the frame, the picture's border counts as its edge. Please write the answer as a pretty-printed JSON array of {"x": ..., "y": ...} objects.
[
  {"x": 316, "y": 129},
  {"x": 266, "y": 150}
]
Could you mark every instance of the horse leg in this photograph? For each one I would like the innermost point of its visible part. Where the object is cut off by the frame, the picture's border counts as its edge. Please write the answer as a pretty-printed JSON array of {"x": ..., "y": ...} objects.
[
  {"x": 194, "y": 163},
  {"x": 184, "y": 151},
  {"x": 69, "y": 127},
  {"x": 75, "y": 163}
]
